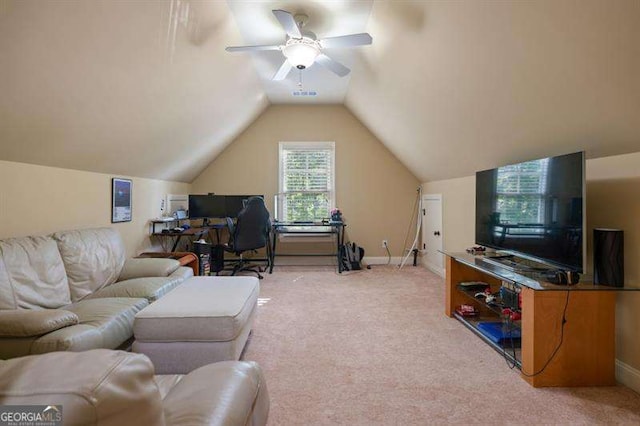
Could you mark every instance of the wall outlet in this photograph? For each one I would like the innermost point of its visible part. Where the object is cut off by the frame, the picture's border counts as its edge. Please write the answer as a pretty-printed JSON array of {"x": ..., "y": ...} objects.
[{"x": 385, "y": 243}]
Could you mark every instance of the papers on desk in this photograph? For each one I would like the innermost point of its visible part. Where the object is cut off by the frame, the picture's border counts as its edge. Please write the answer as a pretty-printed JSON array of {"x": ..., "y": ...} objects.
[{"x": 163, "y": 219}]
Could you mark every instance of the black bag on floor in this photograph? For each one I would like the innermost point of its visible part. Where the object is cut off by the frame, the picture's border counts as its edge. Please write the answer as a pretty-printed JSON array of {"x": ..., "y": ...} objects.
[{"x": 351, "y": 257}]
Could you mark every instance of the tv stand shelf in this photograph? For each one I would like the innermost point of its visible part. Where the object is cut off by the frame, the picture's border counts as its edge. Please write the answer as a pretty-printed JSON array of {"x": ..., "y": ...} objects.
[
  {"x": 512, "y": 355},
  {"x": 586, "y": 356},
  {"x": 490, "y": 308}
]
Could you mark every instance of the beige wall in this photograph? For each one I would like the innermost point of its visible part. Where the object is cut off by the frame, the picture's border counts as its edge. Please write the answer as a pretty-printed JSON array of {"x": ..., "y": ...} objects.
[
  {"x": 613, "y": 185},
  {"x": 37, "y": 200},
  {"x": 458, "y": 210},
  {"x": 375, "y": 192}
]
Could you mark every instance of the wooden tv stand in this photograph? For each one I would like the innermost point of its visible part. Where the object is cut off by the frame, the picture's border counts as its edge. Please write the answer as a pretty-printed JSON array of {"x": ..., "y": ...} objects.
[{"x": 586, "y": 356}]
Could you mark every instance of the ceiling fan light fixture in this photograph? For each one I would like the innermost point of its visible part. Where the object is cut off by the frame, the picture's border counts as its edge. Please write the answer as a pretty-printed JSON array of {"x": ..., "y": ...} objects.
[{"x": 301, "y": 53}]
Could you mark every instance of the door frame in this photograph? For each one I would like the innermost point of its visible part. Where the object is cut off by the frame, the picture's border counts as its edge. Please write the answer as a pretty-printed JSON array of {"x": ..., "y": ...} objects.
[{"x": 433, "y": 197}]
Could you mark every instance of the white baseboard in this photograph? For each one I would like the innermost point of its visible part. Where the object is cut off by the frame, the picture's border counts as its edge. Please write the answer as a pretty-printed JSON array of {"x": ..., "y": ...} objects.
[
  {"x": 331, "y": 261},
  {"x": 382, "y": 260},
  {"x": 627, "y": 375},
  {"x": 433, "y": 268}
]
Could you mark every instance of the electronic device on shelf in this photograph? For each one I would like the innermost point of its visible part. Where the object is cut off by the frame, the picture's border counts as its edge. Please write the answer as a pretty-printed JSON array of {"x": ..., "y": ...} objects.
[
  {"x": 535, "y": 209},
  {"x": 473, "y": 285},
  {"x": 499, "y": 332},
  {"x": 510, "y": 296}
]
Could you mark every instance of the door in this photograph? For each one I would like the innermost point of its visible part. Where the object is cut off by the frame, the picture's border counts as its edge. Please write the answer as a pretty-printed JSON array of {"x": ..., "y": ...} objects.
[{"x": 432, "y": 232}]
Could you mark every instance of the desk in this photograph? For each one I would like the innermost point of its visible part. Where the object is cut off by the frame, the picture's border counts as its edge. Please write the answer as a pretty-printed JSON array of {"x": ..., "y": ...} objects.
[
  {"x": 193, "y": 233},
  {"x": 164, "y": 221},
  {"x": 308, "y": 228}
]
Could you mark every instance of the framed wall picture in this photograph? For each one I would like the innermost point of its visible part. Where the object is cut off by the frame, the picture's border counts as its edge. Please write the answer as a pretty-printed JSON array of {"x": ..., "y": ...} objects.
[{"x": 121, "y": 200}]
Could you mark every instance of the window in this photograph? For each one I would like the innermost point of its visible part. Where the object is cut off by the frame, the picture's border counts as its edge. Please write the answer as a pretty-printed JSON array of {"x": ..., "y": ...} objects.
[
  {"x": 521, "y": 189},
  {"x": 307, "y": 181}
]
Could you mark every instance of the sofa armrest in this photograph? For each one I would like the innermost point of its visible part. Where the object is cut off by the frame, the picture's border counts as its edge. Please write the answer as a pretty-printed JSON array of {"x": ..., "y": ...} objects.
[
  {"x": 147, "y": 267},
  {"x": 105, "y": 387},
  {"x": 222, "y": 393},
  {"x": 30, "y": 323},
  {"x": 182, "y": 273}
]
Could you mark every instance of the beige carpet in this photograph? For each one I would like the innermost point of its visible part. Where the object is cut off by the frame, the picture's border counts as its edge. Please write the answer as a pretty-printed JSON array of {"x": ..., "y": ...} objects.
[{"x": 374, "y": 347}]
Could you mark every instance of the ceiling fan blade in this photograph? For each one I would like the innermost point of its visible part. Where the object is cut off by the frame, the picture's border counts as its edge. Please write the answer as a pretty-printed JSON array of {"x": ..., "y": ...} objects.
[
  {"x": 251, "y": 48},
  {"x": 350, "y": 40},
  {"x": 283, "y": 71},
  {"x": 332, "y": 65},
  {"x": 288, "y": 23}
]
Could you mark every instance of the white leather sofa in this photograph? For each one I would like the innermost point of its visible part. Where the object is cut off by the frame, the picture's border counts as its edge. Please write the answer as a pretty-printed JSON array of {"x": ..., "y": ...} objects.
[
  {"x": 116, "y": 388},
  {"x": 75, "y": 291}
]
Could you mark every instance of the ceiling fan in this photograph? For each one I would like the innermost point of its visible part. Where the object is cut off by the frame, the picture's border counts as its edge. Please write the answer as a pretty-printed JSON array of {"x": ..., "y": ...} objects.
[{"x": 302, "y": 48}]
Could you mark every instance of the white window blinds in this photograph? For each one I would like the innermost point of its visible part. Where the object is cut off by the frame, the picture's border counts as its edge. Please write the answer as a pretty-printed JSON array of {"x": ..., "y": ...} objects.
[{"x": 307, "y": 180}]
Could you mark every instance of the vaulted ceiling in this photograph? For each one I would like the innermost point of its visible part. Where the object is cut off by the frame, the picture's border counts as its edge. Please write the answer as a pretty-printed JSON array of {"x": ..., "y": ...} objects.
[{"x": 145, "y": 88}]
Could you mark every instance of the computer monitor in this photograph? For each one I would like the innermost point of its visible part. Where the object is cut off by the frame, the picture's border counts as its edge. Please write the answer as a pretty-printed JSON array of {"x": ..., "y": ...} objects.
[
  {"x": 206, "y": 206},
  {"x": 216, "y": 206}
]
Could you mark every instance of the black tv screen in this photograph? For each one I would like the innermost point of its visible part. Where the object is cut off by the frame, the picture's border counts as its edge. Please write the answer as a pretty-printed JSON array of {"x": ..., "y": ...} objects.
[{"x": 534, "y": 208}]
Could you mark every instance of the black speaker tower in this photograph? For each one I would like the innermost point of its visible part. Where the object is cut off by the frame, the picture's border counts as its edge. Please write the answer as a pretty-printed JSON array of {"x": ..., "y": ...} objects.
[{"x": 608, "y": 257}]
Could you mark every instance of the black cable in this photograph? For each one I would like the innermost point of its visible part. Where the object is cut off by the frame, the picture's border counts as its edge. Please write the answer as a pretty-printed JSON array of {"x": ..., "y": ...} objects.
[
  {"x": 564, "y": 321},
  {"x": 388, "y": 254},
  {"x": 511, "y": 326}
]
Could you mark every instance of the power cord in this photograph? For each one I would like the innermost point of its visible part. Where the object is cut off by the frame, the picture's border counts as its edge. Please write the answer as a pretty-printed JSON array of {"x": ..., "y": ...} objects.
[
  {"x": 413, "y": 214},
  {"x": 555, "y": 351},
  {"x": 386, "y": 246},
  {"x": 418, "y": 215},
  {"x": 511, "y": 326}
]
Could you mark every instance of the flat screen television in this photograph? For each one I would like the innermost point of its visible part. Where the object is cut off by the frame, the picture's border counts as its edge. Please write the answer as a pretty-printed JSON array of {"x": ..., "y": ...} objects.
[
  {"x": 216, "y": 206},
  {"x": 535, "y": 209}
]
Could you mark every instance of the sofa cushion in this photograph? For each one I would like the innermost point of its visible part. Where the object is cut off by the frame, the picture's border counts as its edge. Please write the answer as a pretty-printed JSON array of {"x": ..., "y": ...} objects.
[
  {"x": 109, "y": 388},
  {"x": 103, "y": 323},
  {"x": 147, "y": 267},
  {"x": 93, "y": 259},
  {"x": 223, "y": 393},
  {"x": 29, "y": 323},
  {"x": 151, "y": 288},
  {"x": 32, "y": 274}
]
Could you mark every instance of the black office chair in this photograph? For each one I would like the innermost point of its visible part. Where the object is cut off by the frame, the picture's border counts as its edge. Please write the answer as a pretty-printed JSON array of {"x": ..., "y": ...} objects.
[{"x": 249, "y": 233}]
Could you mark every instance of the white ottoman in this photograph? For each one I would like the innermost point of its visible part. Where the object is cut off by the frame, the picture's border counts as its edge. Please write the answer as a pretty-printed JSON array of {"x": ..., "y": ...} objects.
[{"x": 204, "y": 320}]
